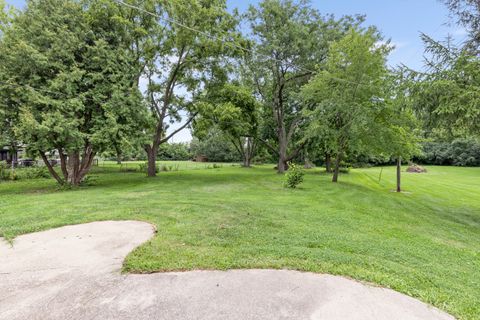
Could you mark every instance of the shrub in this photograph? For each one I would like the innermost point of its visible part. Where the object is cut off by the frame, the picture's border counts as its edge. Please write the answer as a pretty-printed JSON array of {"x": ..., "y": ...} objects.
[
  {"x": 294, "y": 176},
  {"x": 34, "y": 173},
  {"x": 459, "y": 152},
  {"x": 174, "y": 151},
  {"x": 4, "y": 172},
  {"x": 22, "y": 173}
]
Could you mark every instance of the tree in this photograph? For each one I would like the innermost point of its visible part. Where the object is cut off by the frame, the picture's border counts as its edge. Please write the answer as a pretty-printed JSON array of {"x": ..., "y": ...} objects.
[
  {"x": 72, "y": 81},
  {"x": 290, "y": 39},
  {"x": 447, "y": 95},
  {"x": 8, "y": 115},
  {"x": 190, "y": 55},
  {"x": 234, "y": 110},
  {"x": 467, "y": 13},
  {"x": 346, "y": 93},
  {"x": 395, "y": 123},
  {"x": 215, "y": 146}
]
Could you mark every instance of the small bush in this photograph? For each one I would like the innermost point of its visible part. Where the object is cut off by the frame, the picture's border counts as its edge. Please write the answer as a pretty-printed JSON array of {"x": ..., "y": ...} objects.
[
  {"x": 217, "y": 166},
  {"x": 294, "y": 176}
]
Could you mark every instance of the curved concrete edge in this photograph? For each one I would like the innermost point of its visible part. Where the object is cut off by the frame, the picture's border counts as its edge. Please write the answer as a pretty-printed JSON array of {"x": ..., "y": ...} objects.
[{"x": 74, "y": 272}]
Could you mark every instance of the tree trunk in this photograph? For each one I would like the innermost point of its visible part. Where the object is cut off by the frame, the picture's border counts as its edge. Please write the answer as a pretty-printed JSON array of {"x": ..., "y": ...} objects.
[
  {"x": 399, "y": 174},
  {"x": 13, "y": 153},
  {"x": 282, "y": 150},
  {"x": 152, "y": 161},
  {"x": 248, "y": 152},
  {"x": 328, "y": 163},
  {"x": 74, "y": 167},
  {"x": 336, "y": 170},
  {"x": 78, "y": 167},
  {"x": 119, "y": 155},
  {"x": 52, "y": 171}
]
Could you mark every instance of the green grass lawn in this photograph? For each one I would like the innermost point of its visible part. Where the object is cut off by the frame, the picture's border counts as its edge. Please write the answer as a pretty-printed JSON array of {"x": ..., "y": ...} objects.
[{"x": 424, "y": 242}]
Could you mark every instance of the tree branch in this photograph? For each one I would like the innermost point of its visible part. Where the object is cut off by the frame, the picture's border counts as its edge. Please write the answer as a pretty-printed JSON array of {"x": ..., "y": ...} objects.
[
  {"x": 50, "y": 168},
  {"x": 268, "y": 145},
  {"x": 296, "y": 151},
  {"x": 179, "y": 129}
]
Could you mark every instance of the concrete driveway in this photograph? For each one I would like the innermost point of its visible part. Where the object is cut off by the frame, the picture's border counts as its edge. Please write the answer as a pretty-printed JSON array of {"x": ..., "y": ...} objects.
[{"x": 73, "y": 272}]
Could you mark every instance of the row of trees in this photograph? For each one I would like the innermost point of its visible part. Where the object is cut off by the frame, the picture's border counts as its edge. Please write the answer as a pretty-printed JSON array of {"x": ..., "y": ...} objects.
[{"x": 81, "y": 77}]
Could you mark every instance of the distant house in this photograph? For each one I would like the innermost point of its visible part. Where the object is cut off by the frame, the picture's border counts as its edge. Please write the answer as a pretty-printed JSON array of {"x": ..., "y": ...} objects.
[{"x": 6, "y": 154}]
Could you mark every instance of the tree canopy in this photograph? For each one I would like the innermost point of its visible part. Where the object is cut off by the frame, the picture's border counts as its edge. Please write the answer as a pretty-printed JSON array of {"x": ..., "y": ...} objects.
[
  {"x": 348, "y": 94},
  {"x": 72, "y": 81}
]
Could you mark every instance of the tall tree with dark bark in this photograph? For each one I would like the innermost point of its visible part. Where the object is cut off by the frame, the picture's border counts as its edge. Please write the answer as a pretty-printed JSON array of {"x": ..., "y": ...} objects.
[
  {"x": 191, "y": 51},
  {"x": 290, "y": 40}
]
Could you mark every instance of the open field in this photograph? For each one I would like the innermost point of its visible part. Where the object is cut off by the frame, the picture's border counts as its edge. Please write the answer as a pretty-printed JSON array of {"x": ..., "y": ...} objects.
[{"x": 424, "y": 242}]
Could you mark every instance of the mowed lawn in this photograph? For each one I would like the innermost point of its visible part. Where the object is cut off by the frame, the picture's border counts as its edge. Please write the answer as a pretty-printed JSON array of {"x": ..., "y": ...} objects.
[{"x": 424, "y": 242}]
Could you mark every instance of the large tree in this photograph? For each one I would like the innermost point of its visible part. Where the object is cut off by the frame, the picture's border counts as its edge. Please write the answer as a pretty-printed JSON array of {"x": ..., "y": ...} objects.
[
  {"x": 448, "y": 92},
  {"x": 347, "y": 96},
  {"x": 290, "y": 40},
  {"x": 71, "y": 75},
  {"x": 234, "y": 110},
  {"x": 8, "y": 115},
  {"x": 191, "y": 44}
]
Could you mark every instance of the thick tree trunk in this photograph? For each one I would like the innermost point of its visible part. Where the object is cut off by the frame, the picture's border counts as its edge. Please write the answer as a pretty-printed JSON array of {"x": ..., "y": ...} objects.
[
  {"x": 74, "y": 167},
  {"x": 78, "y": 167},
  {"x": 328, "y": 163},
  {"x": 336, "y": 170},
  {"x": 118, "y": 154},
  {"x": 63, "y": 163},
  {"x": 248, "y": 152},
  {"x": 399, "y": 174},
  {"x": 152, "y": 161}
]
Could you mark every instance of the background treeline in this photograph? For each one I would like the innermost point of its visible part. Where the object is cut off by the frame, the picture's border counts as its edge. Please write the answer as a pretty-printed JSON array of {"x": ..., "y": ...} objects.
[{"x": 280, "y": 82}]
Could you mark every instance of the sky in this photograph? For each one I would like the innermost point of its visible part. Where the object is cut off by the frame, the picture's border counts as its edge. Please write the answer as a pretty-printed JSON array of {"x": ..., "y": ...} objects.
[{"x": 402, "y": 21}]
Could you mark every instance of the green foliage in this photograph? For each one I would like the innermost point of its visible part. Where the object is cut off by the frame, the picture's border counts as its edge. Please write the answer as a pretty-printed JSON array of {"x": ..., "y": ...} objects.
[
  {"x": 347, "y": 95},
  {"x": 143, "y": 167},
  {"x": 447, "y": 98},
  {"x": 291, "y": 39},
  {"x": 294, "y": 176},
  {"x": 27, "y": 173},
  {"x": 174, "y": 151},
  {"x": 4, "y": 171},
  {"x": 234, "y": 110},
  {"x": 459, "y": 152},
  {"x": 215, "y": 146},
  {"x": 185, "y": 60},
  {"x": 467, "y": 15},
  {"x": 73, "y": 77}
]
